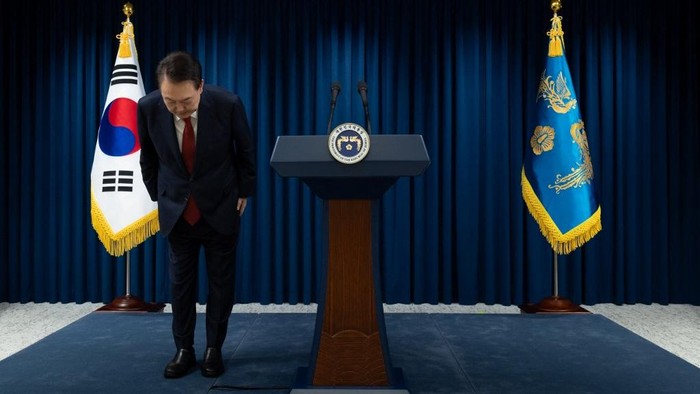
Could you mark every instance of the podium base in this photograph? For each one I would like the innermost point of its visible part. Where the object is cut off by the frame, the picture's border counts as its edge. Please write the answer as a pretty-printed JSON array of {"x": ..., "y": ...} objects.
[
  {"x": 553, "y": 304},
  {"x": 300, "y": 387},
  {"x": 130, "y": 303}
]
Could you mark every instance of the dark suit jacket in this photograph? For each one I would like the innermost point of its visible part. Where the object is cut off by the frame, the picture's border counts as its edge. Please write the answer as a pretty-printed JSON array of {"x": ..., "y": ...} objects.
[{"x": 224, "y": 168}]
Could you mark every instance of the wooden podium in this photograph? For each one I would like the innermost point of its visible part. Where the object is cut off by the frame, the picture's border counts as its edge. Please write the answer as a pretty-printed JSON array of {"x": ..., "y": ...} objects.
[{"x": 350, "y": 347}]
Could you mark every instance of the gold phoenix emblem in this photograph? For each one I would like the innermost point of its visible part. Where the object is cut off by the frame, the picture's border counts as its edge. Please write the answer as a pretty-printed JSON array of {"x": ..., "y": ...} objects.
[
  {"x": 556, "y": 93},
  {"x": 349, "y": 141},
  {"x": 584, "y": 172}
]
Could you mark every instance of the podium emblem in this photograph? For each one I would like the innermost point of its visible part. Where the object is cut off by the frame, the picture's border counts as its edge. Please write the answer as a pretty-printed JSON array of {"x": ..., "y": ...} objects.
[{"x": 348, "y": 143}]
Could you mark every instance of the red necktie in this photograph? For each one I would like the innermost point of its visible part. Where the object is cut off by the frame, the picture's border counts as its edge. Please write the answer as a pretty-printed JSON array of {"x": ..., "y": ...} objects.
[{"x": 191, "y": 213}]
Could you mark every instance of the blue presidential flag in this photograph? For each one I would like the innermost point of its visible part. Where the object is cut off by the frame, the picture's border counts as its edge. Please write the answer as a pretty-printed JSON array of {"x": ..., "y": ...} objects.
[
  {"x": 557, "y": 175},
  {"x": 122, "y": 212}
]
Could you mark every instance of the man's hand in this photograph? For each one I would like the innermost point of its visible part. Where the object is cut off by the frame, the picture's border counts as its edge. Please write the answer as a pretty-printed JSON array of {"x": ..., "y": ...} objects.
[{"x": 242, "y": 202}]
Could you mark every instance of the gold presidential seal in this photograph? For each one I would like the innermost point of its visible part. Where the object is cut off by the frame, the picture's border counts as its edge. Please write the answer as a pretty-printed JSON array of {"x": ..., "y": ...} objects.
[{"x": 348, "y": 143}]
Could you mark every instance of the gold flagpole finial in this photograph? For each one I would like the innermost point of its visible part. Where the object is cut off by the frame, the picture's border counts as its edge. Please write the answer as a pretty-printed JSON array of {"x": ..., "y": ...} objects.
[
  {"x": 127, "y": 32},
  {"x": 128, "y": 10},
  {"x": 555, "y": 5},
  {"x": 556, "y": 34}
]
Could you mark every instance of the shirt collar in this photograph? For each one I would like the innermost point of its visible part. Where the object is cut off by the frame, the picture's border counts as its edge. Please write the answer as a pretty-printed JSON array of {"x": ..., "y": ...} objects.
[{"x": 194, "y": 115}]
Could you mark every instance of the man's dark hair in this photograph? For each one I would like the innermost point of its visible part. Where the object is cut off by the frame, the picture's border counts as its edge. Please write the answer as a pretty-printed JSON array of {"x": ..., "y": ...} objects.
[{"x": 179, "y": 67}]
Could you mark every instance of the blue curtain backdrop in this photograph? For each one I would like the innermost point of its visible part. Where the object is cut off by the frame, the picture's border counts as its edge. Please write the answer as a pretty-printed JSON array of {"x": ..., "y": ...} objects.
[{"x": 464, "y": 74}]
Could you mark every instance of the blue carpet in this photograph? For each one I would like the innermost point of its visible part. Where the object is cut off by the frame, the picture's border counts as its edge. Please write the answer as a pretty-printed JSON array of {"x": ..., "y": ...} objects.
[{"x": 108, "y": 352}]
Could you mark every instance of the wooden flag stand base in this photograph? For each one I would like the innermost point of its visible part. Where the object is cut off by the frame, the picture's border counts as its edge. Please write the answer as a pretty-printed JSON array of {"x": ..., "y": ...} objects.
[
  {"x": 128, "y": 302},
  {"x": 555, "y": 303}
]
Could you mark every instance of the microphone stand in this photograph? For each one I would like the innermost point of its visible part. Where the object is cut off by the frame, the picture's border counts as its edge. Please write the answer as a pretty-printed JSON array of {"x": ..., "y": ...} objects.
[
  {"x": 330, "y": 119},
  {"x": 362, "y": 89},
  {"x": 369, "y": 127},
  {"x": 335, "y": 91}
]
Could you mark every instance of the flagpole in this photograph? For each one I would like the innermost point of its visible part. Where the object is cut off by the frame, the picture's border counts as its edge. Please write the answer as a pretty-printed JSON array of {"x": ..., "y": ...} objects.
[
  {"x": 128, "y": 274},
  {"x": 131, "y": 77},
  {"x": 129, "y": 302},
  {"x": 545, "y": 142},
  {"x": 555, "y": 275},
  {"x": 554, "y": 303}
]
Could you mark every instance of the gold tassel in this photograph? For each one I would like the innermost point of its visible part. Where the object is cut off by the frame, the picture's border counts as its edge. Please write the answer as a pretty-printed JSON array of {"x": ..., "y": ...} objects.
[
  {"x": 556, "y": 37},
  {"x": 124, "y": 36},
  {"x": 127, "y": 32}
]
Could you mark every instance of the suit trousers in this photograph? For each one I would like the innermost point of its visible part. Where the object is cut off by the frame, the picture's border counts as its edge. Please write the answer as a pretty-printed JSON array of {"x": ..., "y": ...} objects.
[{"x": 185, "y": 242}]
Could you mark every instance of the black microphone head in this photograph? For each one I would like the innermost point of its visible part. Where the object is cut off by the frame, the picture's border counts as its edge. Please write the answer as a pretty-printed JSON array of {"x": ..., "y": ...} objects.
[
  {"x": 335, "y": 86},
  {"x": 362, "y": 85},
  {"x": 335, "y": 91}
]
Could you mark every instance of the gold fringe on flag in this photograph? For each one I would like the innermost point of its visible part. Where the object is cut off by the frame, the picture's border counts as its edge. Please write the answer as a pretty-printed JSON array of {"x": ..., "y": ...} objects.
[
  {"x": 126, "y": 239},
  {"x": 561, "y": 243},
  {"x": 127, "y": 32}
]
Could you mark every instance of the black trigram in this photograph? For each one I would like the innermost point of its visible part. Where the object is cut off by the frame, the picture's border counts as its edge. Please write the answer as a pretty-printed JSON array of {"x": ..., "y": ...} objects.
[
  {"x": 118, "y": 181},
  {"x": 125, "y": 73}
]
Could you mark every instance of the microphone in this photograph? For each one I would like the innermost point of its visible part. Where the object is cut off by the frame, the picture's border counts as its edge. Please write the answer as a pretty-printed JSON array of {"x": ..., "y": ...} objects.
[
  {"x": 335, "y": 91},
  {"x": 362, "y": 89}
]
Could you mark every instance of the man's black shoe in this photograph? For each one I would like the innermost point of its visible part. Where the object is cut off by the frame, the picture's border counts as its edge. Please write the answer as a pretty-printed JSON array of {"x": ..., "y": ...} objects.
[
  {"x": 181, "y": 364},
  {"x": 213, "y": 365}
]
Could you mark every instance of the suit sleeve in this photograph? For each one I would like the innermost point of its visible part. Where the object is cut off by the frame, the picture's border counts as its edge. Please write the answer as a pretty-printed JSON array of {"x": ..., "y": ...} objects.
[
  {"x": 244, "y": 150},
  {"x": 149, "y": 157}
]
